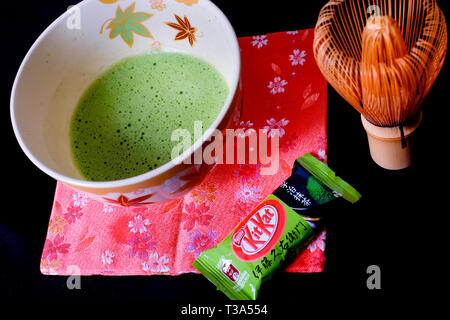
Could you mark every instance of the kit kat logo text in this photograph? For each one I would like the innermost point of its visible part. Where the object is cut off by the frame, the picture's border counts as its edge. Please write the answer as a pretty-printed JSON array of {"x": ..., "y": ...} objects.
[{"x": 259, "y": 233}]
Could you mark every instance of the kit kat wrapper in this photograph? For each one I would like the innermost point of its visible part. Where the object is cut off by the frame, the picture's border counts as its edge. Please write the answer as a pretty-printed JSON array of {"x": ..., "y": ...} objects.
[{"x": 275, "y": 232}]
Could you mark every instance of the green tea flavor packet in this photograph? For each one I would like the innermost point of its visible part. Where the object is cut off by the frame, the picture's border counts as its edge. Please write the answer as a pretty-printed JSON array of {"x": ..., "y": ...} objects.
[{"x": 275, "y": 231}]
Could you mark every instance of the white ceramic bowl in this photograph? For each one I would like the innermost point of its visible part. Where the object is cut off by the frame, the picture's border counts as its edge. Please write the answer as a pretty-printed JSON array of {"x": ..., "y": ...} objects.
[{"x": 82, "y": 44}]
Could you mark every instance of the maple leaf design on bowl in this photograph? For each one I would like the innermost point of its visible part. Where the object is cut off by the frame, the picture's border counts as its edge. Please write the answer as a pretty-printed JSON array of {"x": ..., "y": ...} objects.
[
  {"x": 185, "y": 30},
  {"x": 126, "y": 23}
]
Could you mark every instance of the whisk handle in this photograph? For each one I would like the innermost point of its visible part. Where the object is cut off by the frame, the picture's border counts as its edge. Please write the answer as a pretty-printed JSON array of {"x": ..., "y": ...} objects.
[{"x": 392, "y": 148}]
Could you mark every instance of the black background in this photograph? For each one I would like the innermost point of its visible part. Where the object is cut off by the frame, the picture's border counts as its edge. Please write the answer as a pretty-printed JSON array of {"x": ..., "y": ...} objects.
[{"x": 398, "y": 225}]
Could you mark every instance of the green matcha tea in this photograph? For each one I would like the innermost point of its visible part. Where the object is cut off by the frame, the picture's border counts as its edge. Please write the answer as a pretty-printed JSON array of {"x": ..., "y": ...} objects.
[{"x": 123, "y": 124}]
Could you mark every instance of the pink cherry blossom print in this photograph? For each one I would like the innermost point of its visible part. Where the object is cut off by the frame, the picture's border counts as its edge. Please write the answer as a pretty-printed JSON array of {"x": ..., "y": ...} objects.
[
  {"x": 73, "y": 213},
  {"x": 196, "y": 215},
  {"x": 107, "y": 257},
  {"x": 138, "y": 224},
  {"x": 274, "y": 126},
  {"x": 260, "y": 41},
  {"x": 246, "y": 127},
  {"x": 80, "y": 199},
  {"x": 156, "y": 264},
  {"x": 140, "y": 246},
  {"x": 277, "y": 85},
  {"x": 318, "y": 243},
  {"x": 108, "y": 208},
  {"x": 247, "y": 194},
  {"x": 201, "y": 242},
  {"x": 55, "y": 247},
  {"x": 298, "y": 57}
]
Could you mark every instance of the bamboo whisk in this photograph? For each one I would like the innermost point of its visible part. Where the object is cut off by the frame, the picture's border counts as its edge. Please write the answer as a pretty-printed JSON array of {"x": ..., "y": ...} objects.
[{"x": 382, "y": 56}]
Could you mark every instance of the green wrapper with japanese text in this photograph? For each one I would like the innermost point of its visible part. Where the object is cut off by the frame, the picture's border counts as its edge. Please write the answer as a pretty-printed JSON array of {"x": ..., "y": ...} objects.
[{"x": 275, "y": 232}]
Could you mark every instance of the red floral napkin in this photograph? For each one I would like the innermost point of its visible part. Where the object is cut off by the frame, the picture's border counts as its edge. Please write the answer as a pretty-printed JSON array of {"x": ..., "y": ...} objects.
[{"x": 284, "y": 90}]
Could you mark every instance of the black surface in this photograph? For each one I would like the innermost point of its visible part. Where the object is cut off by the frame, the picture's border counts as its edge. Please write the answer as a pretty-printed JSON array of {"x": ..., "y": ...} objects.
[{"x": 397, "y": 225}]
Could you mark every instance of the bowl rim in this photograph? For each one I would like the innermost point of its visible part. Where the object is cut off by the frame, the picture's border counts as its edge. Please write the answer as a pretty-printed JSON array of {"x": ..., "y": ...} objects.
[{"x": 235, "y": 50}]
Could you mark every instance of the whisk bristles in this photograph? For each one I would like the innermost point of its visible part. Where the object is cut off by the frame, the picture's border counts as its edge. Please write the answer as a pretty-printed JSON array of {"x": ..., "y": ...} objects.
[{"x": 383, "y": 64}]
